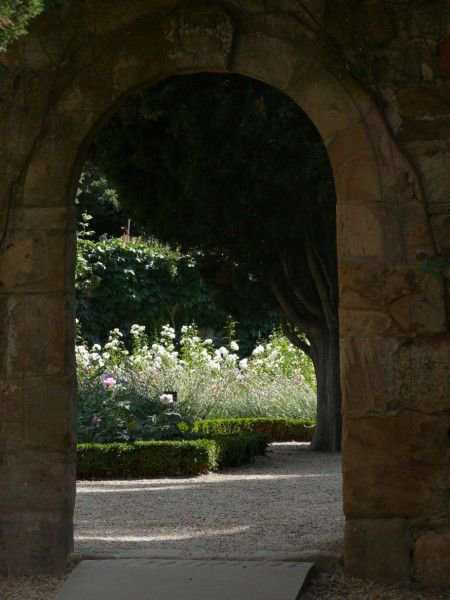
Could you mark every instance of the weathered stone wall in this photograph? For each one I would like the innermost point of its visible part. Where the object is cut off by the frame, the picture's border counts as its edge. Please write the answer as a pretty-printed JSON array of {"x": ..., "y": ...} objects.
[
  {"x": 375, "y": 83},
  {"x": 400, "y": 51}
]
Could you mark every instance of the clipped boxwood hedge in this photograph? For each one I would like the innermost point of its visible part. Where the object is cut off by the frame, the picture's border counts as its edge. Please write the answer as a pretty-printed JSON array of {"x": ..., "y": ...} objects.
[
  {"x": 167, "y": 458},
  {"x": 237, "y": 449},
  {"x": 276, "y": 429}
]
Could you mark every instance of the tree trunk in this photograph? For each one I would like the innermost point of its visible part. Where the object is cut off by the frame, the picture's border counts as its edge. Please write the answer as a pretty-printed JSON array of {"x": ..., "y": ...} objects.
[
  {"x": 325, "y": 357},
  {"x": 322, "y": 332}
]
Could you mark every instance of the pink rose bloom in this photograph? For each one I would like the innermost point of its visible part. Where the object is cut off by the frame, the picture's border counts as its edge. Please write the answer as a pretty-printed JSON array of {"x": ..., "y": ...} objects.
[{"x": 108, "y": 381}]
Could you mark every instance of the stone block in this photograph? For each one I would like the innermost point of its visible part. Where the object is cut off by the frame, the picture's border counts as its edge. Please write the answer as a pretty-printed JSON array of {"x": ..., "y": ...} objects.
[
  {"x": 373, "y": 286},
  {"x": 12, "y": 416},
  {"x": 38, "y": 481},
  {"x": 440, "y": 225},
  {"x": 46, "y": 182},
  {"x": 381, "y": 375},
  {"x": 250, "y": 46},
  {"x": 424, "y": 311},
  {"x": 432, "y": 160},
  {"x": 396, "y": 465},
  {"x": 38, "y": 219},
  {"x": 444, "y": 56},
  {"x": 100, "y": 21},
  {"x": 416, "y": 235},
  {"x": 354, "y": 322},
  {"x": 208, "y": 27},
  {"x": 331, "y": 108},
  {"x": 61, "y": 318},
  {"x": 35, "y": 261},
  {"x": 37, "y": 413},
  {"x": 27, "y": 331},
  {"x": 412, "y": 300},
  {"x": 375, "y": 23},
  {"x": 48, "y": 411},
  {"x": 349, "y": 146},
  {"x": 360, "y": 230},
  {"x": 59, "y": 265},
  {"x": 357, "y": 181},
  {"x": 35, "y": 542},
  {"x": 36, "y": 333},
  {"x": 427, "y": 129},
  {"x": 378, "y": 549},
  {"x": 432, "y": 559},
  {"x": 421, "y": 103},
  {"x": 23, "y": 261}
]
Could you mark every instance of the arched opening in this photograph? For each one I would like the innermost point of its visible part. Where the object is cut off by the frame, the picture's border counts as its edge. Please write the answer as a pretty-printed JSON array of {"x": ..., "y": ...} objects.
[{"x": 258, "y": 210}]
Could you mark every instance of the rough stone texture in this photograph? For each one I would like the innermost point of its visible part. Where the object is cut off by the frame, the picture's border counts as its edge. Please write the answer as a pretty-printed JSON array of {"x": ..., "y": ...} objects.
[
  {"x": 378, "y": 549},
  {"x": 444, "y": 57},
  {"x": 392, "y": 184},
  {"x": 396, "y": 375},
  {"x": 432, "y": 558},
  {"x": 412, "y": 481}
]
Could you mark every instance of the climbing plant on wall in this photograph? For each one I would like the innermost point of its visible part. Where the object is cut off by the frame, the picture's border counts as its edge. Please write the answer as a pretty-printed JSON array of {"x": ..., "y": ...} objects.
[{"x": 15, "y": 16}]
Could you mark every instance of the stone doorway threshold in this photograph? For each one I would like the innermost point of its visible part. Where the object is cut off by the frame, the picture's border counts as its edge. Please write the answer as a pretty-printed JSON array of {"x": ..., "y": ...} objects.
[{"x": 165, "y": 579}]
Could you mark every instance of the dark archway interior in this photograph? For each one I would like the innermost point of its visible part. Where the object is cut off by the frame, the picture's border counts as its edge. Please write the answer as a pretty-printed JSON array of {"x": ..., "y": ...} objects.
[
  {"x": 235, "y": 173},
  {"x": 230, "y": 169}
]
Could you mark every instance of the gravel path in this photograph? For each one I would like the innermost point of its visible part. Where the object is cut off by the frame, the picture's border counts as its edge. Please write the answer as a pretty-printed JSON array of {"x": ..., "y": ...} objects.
[{"x": 287, "y": 505}]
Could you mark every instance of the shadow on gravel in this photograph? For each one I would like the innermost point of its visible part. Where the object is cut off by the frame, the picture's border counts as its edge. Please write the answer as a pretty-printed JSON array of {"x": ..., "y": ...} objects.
[{"x": 287, "y": 502}]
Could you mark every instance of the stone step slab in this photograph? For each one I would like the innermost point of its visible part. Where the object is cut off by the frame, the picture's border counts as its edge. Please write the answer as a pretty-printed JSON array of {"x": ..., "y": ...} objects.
[{"x": 149, "y": 579}]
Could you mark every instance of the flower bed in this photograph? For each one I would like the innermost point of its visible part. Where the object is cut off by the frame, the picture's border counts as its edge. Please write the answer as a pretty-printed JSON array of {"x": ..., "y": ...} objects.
[
  {"x": 167, "y": 458},
  {"x": 123, "y": 393}
]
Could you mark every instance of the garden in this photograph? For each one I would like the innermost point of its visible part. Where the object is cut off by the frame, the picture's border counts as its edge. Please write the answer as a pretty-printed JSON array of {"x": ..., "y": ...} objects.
[
  {"x": 211, "y": 326},
  {"x": 179, "y": 405},
  {"x": 203, "y": 323}
]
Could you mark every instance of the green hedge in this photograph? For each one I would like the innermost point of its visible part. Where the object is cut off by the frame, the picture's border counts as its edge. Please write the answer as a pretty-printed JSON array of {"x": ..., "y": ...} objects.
[
  {"x": 167, "y": 458},
  {"x": 237, "y": 449},
  {"x": 276, "y": 430}
]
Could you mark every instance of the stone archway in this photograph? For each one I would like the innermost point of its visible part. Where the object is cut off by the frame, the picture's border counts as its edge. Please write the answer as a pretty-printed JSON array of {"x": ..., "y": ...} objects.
[{"x": 60, "y": 82}]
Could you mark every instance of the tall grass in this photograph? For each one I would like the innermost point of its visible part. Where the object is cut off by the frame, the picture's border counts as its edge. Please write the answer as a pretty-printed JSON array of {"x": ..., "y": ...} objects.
[{"x": 122, "y": 392}]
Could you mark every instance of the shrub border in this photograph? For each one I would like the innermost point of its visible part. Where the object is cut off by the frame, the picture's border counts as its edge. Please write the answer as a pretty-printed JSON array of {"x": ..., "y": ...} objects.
[
  {"x": 167, "y": 458},
  {"x": 276, "y": 429}
]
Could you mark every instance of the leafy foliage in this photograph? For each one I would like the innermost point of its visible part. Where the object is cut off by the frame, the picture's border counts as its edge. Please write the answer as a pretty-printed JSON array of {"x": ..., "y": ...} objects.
[
  {"x": 96, "y": 197},
  {"x": 234, "y": 159},
  {"x": 121, "y": 393},
  {"x": 15, "y": 15},
  {"x": 233, "y": 169},
  {"x": 120, "y": 282}
]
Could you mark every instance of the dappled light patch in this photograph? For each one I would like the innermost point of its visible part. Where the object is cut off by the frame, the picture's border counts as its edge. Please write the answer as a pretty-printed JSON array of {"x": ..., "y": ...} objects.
[{"x": 163, "y": 537}]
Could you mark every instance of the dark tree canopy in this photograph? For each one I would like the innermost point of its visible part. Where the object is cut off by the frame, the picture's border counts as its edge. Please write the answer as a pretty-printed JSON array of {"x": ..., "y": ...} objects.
[
  {"x": 233, "y": 169},
  {"x": 234, "y": 158}
]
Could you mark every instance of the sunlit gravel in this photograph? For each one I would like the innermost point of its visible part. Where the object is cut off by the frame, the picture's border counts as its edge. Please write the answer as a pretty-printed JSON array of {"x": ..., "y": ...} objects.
[{"x": 287, "y": 505}]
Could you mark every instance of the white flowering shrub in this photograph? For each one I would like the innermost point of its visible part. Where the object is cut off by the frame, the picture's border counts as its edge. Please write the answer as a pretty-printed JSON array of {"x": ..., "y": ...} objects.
[{"x": 126, "y": 395}]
